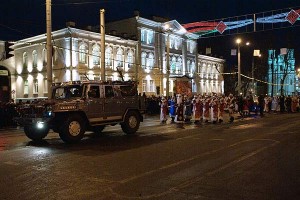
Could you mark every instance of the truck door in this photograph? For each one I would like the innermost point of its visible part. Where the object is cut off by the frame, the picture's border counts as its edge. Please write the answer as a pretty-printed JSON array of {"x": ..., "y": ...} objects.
[
  {"x": 95, "y": 104},
  {"x": 112, "y": 103}
]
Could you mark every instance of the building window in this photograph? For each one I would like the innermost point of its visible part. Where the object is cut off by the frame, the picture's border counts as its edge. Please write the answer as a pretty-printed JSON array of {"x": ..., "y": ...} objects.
[
  {"x": 36, "y": 86},
  {"x": 25, "y": 60},
  {"x": 150, "y": 61},
  {"x": 152, "y": 86},
  {"x": 179, "y": 64},
  {"x": 83, "y": 54},
  {"x": 143, "y": 35},
  {"x": 26, "y": 87},
  {"x": 34, "y": 59},
  {"x": 144, "y": 85},
  {"x": 150, "y": 37},
  {"x": 119, "y": 57},
  {"x": 96, "y": 55},
  {"x": 130, "y": 59},
  {"x": 143, "y": 57},
  {"x": 108, "y": 57},
  {"x": 192, "y": 67}
]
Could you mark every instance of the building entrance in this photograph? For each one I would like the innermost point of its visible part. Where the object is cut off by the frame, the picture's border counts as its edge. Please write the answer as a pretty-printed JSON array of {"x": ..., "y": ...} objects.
[{"x": 4, "y": 84}]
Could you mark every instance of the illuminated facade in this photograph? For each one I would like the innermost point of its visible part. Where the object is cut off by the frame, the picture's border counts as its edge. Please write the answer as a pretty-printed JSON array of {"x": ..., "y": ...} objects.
[
  {"x": 280, "y": 66},
  {"x": 141, "y": 54}
]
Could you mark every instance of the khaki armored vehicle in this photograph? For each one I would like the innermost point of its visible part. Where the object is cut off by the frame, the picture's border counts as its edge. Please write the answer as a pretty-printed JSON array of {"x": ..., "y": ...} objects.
[{"x": 77, "y": 107}]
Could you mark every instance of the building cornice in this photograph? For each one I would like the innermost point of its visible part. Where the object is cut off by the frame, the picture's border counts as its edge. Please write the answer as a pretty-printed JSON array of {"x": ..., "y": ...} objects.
[{"x": 209, "y": 58}]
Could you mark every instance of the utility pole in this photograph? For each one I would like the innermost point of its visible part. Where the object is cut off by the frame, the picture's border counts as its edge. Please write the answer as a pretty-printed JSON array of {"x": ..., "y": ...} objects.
[
  {"x": 49, "y": 47},
  {"x": 102, "y": 32},
  {"x": 168, "y": 67},
  {"x": 239, "y": 70}
]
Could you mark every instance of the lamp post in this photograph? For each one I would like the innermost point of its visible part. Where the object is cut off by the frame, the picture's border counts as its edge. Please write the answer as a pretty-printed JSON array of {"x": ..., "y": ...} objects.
[
  {"x": 49, "y": 47},
  {"x": 238, "y": 41},
  {"x": 168, "y": 67},
  {"x": 252, "y": 71}
]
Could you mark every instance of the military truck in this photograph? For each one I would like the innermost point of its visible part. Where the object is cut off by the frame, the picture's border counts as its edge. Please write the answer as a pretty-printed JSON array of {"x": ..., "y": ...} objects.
[{"x": 77, "y": 107}]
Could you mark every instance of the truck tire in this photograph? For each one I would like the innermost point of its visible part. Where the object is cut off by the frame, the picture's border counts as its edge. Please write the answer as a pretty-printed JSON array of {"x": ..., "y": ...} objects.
[
  {"x": 131, "y": 123},
  {"x": 72, "y": 130},
  {"x": 36, "y": 134}
]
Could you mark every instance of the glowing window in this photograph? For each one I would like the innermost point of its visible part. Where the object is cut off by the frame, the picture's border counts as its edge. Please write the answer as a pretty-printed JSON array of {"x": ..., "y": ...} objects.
[
  {"x": 108, "y": 57},
  {"x": 96, "y": 55},
  {"x": 83, "y": 54}
]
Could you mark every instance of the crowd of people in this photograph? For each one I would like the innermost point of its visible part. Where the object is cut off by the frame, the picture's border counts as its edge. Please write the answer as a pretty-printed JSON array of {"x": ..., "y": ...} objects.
[
  {"x": 211, "y": 108},
  {"x": 186, "y": 109}
]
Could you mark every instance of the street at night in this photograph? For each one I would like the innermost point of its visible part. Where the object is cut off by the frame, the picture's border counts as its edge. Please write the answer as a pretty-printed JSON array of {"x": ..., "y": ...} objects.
[{"x": 254, "y": 158}]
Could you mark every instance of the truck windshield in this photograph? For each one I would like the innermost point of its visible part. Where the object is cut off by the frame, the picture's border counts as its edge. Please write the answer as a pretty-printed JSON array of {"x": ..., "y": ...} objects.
[{"x": 67, "y": 92}]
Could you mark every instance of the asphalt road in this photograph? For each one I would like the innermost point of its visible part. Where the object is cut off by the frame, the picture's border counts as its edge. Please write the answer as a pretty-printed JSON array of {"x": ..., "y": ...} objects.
[{"x": 254, "y": 158}]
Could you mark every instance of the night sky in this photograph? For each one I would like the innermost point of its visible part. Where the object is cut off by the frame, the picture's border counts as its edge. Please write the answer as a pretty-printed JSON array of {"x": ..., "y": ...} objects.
[{"x": 24, "y": 18}]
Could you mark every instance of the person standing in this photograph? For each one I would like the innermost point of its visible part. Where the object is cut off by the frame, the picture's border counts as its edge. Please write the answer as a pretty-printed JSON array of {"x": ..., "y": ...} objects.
[
  {"x": 222, "y": 105},
  {"x": 281, "y": 103},
  {"x": 172, "y": 109},
  {"x": 187, "y": 109},
  {"x": 261, "y": 104},
  {"x": 197, "y": 109},
  {"x": 179, "y": 111},
  {"x": 163, "y": 110}
]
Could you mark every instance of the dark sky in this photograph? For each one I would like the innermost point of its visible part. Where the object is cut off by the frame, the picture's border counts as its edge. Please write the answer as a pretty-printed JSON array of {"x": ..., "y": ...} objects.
[{"x": 24, "y": 18}]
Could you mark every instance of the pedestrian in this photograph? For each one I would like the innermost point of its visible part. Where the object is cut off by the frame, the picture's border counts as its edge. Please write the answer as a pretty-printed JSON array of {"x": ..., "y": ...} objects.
[
  {"x": 222, "y": 105},
  {"x": 187, "y": 109},
  {"x": 172, "y": 108},
  {"x": 179, "y": 111},
  {"x": 261, "y": 104},
  {"x": 197, "y": 109},
  {"x": 163, "y": 110}
]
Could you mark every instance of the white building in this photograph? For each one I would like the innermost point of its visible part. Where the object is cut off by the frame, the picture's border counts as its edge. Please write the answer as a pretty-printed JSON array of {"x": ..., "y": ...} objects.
[{"x": 76, "y": 56}]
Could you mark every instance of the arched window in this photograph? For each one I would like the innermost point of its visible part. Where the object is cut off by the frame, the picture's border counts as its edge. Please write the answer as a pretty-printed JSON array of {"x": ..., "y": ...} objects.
[
  {"x": 130, "y": 58},
  {"x": 44, "y": 56},
  {"x": 150, "y": 60},
  {"x": 25, "y": 60},
  {"x": 143, "y": 57},
  {"x": 96, "y": 54},
  {"x": 173, "y": 64},
  {"x": 34, "y": 58},
  {"x": 83, "y": 53},
  {"x": 192, "y": 67},
  {"x": 119, "y": 57},
  {"x": 108, "y": 57},
  {"x": 179, "y": 65}
]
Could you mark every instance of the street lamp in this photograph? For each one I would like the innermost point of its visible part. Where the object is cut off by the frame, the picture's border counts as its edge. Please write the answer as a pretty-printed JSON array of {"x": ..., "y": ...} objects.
[
  {"x": 255, "y": 54},
  {"x": 238, "y": 41}
]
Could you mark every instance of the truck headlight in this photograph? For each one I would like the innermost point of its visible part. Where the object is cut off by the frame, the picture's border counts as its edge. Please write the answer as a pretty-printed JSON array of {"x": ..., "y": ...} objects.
[{"x": 40, "y": 125}]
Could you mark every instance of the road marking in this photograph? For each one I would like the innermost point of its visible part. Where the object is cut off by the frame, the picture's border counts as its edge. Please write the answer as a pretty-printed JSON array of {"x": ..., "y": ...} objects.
[{"x": 195, "y": 179}]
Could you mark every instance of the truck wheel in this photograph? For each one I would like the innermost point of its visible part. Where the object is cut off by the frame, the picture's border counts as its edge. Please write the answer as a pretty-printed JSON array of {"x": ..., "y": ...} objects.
[
  {"x": 72, "y": 129},
  {"x": 98, "y": 129},
  {"x": 131, "y": 123},
  {"x": 36, "y": 134}
]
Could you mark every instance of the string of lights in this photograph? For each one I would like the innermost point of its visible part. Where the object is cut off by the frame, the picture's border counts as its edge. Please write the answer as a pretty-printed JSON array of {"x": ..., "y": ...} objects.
[{"x": 209, "y": 27}]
